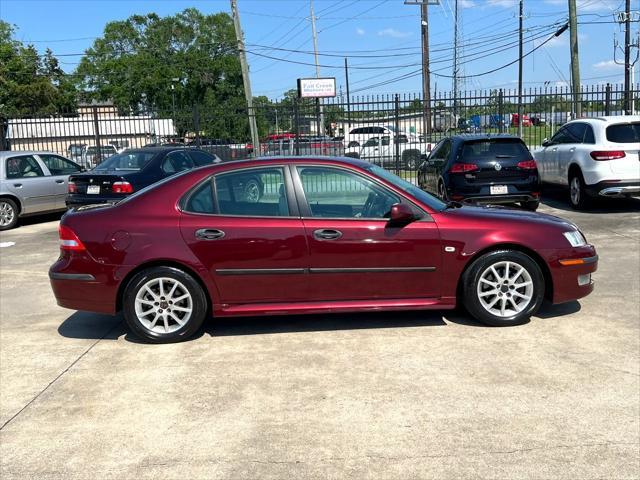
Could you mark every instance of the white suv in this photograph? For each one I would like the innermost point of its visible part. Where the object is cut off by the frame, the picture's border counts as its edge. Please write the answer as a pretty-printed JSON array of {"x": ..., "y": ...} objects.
[
  {"x": 593, "y": 156},
  {"x": 358, "y": 136}
]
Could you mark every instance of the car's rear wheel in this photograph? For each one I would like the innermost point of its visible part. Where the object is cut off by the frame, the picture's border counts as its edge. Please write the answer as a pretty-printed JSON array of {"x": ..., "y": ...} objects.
[
  {"x": 503, "y": 288},
  {"x": 577, "y": 194},
  {"x": 164, "y": 305},
  {"x": 410, "y": 159},
  {"x": 442, "y": 192},
  {"x": 531, "y": 205},
  {"x": 8, "y": 214}
]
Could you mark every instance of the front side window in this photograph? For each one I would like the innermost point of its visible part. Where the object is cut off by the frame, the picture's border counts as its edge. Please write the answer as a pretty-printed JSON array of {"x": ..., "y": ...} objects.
[
  {"x": 23, "y": 167},
  {"x": 59, "y": 166},
  {"x": 258, "y": 192},
  {"x": 336, "y": 193}
]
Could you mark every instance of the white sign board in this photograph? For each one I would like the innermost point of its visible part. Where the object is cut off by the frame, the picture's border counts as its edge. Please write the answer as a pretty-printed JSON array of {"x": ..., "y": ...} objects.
[{"x": 316, "y": 87}]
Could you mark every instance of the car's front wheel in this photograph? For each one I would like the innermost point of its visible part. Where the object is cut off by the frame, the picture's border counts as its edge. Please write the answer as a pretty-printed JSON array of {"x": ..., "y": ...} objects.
[
  {"x": 164, "y": 305},
  {"x": 503, "y": 288}
]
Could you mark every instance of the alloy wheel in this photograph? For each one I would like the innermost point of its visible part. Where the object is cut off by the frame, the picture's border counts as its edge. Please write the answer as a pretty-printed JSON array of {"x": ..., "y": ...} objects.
[
  {"x": 163, "y": 305},
  {"x": 574, "y": 190},
  {"x": 505, "y": 289},
  {"x": 7, "y": 214}
]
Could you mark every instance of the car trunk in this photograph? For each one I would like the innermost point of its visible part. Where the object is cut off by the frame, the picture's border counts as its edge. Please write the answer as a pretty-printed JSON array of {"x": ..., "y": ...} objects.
[
  {"x": 625, "y": 137},
  {"x": 97, "y": 184},
  {"x": 496, "y": 161}
]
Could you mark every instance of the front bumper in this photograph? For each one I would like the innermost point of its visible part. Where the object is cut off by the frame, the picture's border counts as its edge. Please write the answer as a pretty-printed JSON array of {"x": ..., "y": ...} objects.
[{"x": 571, "y": 271}]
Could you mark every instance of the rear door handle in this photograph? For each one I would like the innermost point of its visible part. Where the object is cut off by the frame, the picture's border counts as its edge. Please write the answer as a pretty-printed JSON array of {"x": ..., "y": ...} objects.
[
  {"x": 209, "y": 234},
  {"x": 17, "y": 185},
  {"x": 327, "y": 234},
  {"x": 59, "y": 181}
]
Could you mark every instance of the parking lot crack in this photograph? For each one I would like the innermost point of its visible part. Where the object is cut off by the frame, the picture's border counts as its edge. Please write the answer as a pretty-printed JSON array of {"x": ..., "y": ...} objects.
[{"x": 69, "y": 367}]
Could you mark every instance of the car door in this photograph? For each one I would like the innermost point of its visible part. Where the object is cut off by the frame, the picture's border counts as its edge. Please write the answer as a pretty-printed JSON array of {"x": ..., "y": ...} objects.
[
  {"x": 253, "y": 246},
  {"x": 60, "y": 168},
  {"x": 426, "y": 173},
  {"x": 437, "y": 161},
  {"x": 551, "y": 173},
  {"x": 28, "y": 179},
  {"x": 574, "y": 136},
  {"x": 354, "y": 252}
]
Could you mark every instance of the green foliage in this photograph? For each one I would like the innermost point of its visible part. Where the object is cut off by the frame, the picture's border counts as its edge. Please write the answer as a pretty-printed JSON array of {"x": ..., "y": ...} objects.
[
  {"x": 137, "y": 61},
  {"x": 31, "y": 84}
]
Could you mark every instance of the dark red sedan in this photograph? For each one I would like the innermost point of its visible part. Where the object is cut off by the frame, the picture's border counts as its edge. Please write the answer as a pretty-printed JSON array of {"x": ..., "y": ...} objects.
[{"x": 304, "y": 235}]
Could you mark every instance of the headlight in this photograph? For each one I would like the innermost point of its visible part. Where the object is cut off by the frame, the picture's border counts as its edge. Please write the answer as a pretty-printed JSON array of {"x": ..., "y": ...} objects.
[{"x": 576, "y": 239}]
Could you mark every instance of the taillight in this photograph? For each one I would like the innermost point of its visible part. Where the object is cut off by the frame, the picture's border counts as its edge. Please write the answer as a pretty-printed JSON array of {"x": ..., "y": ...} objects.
[
  {"x": 607, "y": 155},
  {"x": 528, "y": 165},
  {"x": 68, "y": 239},
  {"x": 463, "y": 168},
  {"x": 71, "y": 187},
  {"x": 121, "y": 187}
]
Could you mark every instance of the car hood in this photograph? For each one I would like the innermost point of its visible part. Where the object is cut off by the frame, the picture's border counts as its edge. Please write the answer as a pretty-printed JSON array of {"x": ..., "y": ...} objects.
[{"x": 499, "y": 213}]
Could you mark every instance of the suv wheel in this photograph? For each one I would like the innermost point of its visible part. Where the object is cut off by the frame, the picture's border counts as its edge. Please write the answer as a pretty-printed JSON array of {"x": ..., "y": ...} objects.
[
  {"x": 503, "y": 288},
  {"x": 442, "y": 192},
  {"x": 410, "y": 159},
  {"x": 8, "y": 214},
  {"x": 577, "y": 195},
  {"x": 164, "y": 305}
]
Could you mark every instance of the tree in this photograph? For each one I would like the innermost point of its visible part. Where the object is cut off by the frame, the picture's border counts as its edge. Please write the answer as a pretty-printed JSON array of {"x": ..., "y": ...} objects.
[
  {"x": 137, "y": 60},
  {"x": 31, "y": 84}
]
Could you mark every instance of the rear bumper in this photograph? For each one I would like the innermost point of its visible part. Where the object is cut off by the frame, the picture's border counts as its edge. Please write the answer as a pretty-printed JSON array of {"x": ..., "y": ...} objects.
[
  {"x": 615, "y": 189},
  {"x": 80, "y": 200},
  {"x": 77, "y": 289}
]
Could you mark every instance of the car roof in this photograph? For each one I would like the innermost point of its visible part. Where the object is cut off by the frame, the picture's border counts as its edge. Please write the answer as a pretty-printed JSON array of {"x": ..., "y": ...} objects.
[
  {"x": 608, "y": 119},
  {"x": 13, "y": 153},
  {"x": 300, "y": 159},
  {"x": 472, "y": 137}
]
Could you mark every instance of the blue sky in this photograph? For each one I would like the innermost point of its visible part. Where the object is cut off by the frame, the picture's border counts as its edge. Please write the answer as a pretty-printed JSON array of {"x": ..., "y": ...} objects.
[{"x": 347, "y": 28}]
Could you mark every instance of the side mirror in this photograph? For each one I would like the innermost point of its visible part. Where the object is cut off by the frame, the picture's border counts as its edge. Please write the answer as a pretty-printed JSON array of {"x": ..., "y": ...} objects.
[
  {"x": 401, "y": 214},
  {"x": 546, "y": 142},
  {"x": 83, "y": 169}
]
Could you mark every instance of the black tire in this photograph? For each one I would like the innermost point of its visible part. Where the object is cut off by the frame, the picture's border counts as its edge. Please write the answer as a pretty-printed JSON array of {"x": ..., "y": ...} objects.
[
  {"x": 531, "y": 205},
  {"x": 442, "y": 192},
  {"x": 181, "y": 332},
  {"x": 516, "y": 259},
  {"x": 578, "y": 197},
  {"x": 8, "y": 214}
]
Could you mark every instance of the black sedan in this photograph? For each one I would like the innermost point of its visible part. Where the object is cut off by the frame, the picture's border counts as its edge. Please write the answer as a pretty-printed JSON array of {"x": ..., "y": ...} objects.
[
  {"x": 482, "y": 169},
  {"x": 128, "y": 172}
]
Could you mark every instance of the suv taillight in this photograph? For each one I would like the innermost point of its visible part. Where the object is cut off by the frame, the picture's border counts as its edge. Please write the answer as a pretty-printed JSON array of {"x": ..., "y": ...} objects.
[
  {"x": 463, "y": 168},
  {"x": 607, "y": 155},
  {"x": 121, "y": 187},
  {"x": 69, "y": 240},
  {"x": 528, "y": 165},
  {"x": 71, "y": 187}
]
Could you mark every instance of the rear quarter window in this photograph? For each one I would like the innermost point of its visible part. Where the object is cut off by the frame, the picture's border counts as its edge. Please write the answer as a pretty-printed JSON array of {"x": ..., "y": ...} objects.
[{"x": 624, "y": 133}]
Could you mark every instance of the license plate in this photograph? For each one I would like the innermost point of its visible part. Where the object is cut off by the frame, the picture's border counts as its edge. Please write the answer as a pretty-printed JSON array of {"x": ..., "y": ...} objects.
[
  {"x": 499, "y": 189},
  {"x": 95, "y": 189}
]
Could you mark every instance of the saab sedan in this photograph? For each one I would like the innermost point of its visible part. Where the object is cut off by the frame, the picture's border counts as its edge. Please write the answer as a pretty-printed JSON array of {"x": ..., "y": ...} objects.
[{"x": 323, "y": 235}]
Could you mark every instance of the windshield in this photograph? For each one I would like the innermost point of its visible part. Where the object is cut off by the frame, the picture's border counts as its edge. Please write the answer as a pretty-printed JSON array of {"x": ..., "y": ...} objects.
[
  {"x": 624, "y": 133},
  {"x": 126, "y": 161},
  {"x": 407, "y": 187}
]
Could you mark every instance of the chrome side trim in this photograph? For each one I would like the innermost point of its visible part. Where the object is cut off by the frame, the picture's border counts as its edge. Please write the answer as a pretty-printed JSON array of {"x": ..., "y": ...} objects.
[{"x": 260, "y": 271}]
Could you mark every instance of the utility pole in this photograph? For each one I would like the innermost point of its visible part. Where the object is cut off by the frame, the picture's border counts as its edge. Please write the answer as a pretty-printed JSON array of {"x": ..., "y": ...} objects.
[
  {"x": 346, "y": 77},
  {"x": 426, "y": 73},
  {"x": 315, "y": 53},
  {"x": 520, "y": 60},
  {"x": 627, "y": 58},
  {"x": 255, "y": 140},
  {"x": 455, "y": 61},
  {"x": 575, "y": 61}
]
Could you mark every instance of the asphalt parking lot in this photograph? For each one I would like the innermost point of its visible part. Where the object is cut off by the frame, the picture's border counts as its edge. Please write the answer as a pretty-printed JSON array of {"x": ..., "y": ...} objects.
[{"x": 388, "y": 395}]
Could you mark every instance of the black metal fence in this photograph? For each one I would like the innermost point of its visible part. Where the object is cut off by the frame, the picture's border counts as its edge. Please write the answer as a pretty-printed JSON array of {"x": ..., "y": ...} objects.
[{"x": 389, "y": 130}]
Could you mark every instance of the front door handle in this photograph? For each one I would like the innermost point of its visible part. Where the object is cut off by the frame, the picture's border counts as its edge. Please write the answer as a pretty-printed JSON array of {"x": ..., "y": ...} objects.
[
  {"x": 59, "y": 181},
  {"x": 17, "y": 185},
  {"x": 327, "y": 234},
  {"x": 209, "y": 234}
]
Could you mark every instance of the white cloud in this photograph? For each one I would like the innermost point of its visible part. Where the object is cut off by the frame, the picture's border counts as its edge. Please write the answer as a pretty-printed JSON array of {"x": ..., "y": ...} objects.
[
  {"x": 607, "y": 65},
  {"x": 393, "y": 33},
  {"x": 466, "y": 3},
  {"x": 588, "y": 5},
  {"x": 360, "y": 31}
]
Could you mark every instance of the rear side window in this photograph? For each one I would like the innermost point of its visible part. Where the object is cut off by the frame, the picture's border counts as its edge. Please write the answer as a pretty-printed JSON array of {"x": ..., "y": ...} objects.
[
  {"x": 589, "y": 136},
  {"x": 624, "y": 133},
  {"x": 490, "y": 149},
  {"x": 576, "y": 132},
  {"x": 201, "y": 158},
  {"x": 201, "y": 201},
  {"x": 254, "y": 192}
]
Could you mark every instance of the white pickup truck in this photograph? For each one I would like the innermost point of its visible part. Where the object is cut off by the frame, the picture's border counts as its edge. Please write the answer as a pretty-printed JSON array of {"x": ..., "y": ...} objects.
[{"x": 382, "y": 151}]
